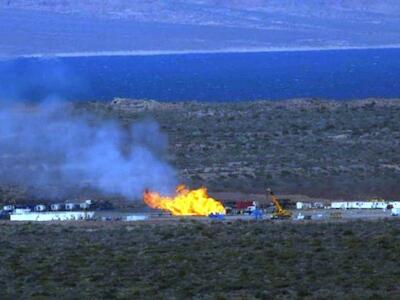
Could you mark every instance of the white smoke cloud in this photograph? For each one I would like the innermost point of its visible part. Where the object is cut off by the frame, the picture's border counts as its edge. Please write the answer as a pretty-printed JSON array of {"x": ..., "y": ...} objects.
[{"x": 51, "y": 145}]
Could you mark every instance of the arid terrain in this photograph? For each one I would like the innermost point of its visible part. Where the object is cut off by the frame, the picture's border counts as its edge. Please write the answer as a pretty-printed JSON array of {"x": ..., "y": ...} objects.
[
  {"x": 312, "y": 147},
  {"x": 192, "y": 260},
  {"x": 308, "y": 148},
  {"x": 321, "y": 149}
]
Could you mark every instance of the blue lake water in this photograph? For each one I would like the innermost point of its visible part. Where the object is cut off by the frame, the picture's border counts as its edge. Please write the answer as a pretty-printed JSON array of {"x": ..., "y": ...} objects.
[{"x": 336, "y": 74}]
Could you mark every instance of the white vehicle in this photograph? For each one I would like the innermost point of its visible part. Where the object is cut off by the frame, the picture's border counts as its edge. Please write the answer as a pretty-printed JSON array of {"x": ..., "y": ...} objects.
[
  {"x": 8, "y": 207},
  {"x": 395, "y": 212},
  {"x": 56, "y": 207}
]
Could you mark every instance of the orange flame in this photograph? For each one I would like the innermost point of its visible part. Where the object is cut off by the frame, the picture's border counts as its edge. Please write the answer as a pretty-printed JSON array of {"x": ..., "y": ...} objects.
[{"x": 185, "y": 203}]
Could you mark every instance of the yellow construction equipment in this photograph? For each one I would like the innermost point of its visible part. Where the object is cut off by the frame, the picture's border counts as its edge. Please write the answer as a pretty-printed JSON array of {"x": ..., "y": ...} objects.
[{"x": 280, "y": 212}]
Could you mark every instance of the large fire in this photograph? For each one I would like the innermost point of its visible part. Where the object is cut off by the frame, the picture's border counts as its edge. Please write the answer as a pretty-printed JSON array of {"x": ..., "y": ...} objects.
[{"x": 185, "y": 203}]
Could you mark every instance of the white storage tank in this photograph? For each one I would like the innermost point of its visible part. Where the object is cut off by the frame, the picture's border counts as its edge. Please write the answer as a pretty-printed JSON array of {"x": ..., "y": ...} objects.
[
  {"x": 86, "y": 204},
  {"x": 8, "y": 207},
  {"x": 304, "y": 205},
  {"x": 318, "y": 205},
  {"x": 307, "y": 205},
  {"x": 40, "y": 207},
  {"x": 70, "y": 206},
  {"x": 56, "y": 207}
]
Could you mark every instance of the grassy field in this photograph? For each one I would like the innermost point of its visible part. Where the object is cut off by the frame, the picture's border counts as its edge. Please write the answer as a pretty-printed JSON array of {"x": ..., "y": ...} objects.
[{"x": 189, "y": 259}]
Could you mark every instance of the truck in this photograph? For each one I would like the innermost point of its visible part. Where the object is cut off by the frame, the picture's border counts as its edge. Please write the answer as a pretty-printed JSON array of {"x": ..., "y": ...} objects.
[{"x": 395, "y": 212}]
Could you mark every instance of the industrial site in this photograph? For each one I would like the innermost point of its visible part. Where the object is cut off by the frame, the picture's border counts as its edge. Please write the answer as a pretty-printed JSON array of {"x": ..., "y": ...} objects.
[
  {"x": 200, "y": 206},
  {"x": 226, "y": 167},
  {"x": 200, "y": 149},
  {"x": 131, "y": 199}
]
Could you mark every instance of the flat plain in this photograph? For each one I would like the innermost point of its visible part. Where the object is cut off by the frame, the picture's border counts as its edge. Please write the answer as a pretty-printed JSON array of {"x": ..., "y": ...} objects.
[
  {"x": 303, "y": 148},
  {"x": 307, "y": 146},
  {"x": 190, "y": 259}
]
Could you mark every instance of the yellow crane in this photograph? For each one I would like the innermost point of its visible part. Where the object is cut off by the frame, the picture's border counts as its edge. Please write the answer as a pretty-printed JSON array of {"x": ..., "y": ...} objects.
[{"x": 280, "y": 212}]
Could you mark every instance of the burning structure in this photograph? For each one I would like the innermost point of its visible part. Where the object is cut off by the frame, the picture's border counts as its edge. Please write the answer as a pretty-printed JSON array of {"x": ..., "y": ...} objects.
[{"x": 185, "y": 203}]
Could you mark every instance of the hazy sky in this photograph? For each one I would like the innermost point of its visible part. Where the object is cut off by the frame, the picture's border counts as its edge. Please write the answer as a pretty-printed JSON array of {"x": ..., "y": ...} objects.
[{"x": 28, "y": 26}]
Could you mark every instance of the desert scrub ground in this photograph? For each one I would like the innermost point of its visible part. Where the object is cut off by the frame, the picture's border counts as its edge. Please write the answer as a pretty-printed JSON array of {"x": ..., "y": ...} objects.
[
  {"x": 193, "y": 260},
  {"x": 311, "y": 147}
]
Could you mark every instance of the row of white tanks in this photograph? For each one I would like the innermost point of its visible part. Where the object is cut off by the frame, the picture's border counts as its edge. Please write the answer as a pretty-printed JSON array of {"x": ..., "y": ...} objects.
[
  {"x": 53, "y": 207},
  {"x": 365, "y": 205},
  {"x": 394, "y": 206},
  {"x": 350, "y": 205}
]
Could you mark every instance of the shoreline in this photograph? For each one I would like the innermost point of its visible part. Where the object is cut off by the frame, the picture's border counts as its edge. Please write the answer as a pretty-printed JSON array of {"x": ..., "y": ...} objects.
[
  {"x": 296, "y": 101},
  {"x": 189, "y": 52}
]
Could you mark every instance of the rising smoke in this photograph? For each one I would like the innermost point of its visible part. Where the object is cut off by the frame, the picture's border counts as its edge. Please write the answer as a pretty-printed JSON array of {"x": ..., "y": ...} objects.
[
  {"x": 50, "y": 145},
  {"x": 51, "y": 148}
]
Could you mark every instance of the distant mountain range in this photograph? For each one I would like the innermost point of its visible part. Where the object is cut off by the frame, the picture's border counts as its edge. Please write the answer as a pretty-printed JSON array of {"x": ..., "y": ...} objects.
[{"x": 54, "y": 26}]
